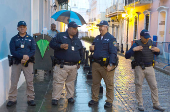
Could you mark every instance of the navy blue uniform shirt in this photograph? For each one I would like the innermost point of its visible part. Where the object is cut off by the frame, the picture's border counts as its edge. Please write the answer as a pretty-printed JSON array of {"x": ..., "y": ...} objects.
[
  {"x": 105, "y": 48},
  {"x": 29, "y": 46},
  {"x": 131, "y": 52},
  {"x": 71, "y": 54}
]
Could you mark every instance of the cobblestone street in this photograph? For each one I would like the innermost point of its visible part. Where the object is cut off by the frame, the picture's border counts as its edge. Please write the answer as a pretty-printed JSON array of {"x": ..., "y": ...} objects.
[{"x": 124, "y": 98}]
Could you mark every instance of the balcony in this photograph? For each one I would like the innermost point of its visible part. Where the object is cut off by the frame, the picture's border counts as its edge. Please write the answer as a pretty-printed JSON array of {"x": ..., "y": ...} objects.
[
  {"x": 91, "y": 21},
  {"x": 137, "y": 2},
  {"x": 61, "y": 2},
  {"x": 114, "y": 10}
]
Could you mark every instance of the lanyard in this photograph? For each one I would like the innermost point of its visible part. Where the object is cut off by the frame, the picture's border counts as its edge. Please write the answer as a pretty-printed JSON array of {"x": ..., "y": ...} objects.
[{"x": 22, "y": 43}]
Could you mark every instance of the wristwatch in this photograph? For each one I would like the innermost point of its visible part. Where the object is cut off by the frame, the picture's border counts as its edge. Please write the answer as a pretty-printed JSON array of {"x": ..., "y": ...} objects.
[{"x": 111, "y": 64}]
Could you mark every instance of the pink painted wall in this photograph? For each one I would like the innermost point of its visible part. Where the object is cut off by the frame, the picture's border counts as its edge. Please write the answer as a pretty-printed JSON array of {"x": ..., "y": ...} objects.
[{"x": 154, "y": 18}]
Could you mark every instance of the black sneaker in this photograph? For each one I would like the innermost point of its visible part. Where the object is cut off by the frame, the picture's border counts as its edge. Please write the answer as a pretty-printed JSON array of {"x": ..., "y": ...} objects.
[
  {"x": 54, "y": 102},
  {"x": 158, "y": 108},
  {"x": 31, "y": 103},
  {"x": 108, "y": 105},
  {"x": 92, "y": 102},
  {"x": 71, "y": 100},
  {"x": 11, "y": 103}
]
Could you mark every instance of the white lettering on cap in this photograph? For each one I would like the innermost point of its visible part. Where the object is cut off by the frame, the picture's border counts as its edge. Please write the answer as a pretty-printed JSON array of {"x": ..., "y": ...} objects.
[
  {"x": 64, "y": 36},
  {"x": 101, "y": 22},
  {"x": 146, "y": 32},
  {"x": 106, "y": 39}
]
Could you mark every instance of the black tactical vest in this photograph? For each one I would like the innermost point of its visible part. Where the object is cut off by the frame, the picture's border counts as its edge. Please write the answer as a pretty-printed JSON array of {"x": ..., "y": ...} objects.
[{"x": 146, "y": 55}]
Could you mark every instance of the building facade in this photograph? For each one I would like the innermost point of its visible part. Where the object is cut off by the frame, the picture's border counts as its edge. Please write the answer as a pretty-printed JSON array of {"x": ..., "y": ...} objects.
[
  {"x": 116, "y": 21},
  {"x": 96, "y": 13},
  {"x": 81, "y": 8},
  {"x": 128, "y": 18},
  {"x": 37, "y": 14}
]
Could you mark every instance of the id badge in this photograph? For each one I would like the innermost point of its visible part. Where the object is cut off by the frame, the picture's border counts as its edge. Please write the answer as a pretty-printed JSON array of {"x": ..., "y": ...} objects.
[
  {"x": 150, "y": 47},
  {"x": 22, "y": 46},
  {"x": 72, "y": 48}
]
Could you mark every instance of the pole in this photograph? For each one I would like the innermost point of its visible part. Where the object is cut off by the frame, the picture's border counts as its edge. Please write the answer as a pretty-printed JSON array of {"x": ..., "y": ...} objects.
[{"x": 86, "y": 66}]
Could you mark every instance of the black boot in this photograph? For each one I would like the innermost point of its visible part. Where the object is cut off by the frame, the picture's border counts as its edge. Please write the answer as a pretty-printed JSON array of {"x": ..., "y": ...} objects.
[
  {"x": 92, "y": 102},
  {"x": 54, "y": 102},
  {"x": 31, "y": 103},
  {"x": 140, "y": 108},
  {"x": 108, "y": 105},
  {"x": 158, "y": 108},
  {"x": 11, "y": 103},
  {"x": 71, "y": 100}
]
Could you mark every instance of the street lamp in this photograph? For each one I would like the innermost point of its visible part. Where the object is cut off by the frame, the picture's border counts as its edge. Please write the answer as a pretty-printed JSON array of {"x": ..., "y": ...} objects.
[
  {"x": 68, "y": 6},
  {"x": 55, "y": 6}
]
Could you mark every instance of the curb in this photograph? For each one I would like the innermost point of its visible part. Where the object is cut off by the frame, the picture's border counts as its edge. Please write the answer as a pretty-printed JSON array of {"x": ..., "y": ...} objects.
[
  {"x": 156, "y": 67},
  {"x": 162, "y": 70}
]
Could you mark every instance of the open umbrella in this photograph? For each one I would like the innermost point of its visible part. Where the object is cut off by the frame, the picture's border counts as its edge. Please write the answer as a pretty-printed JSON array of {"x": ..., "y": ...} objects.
[{"x": 67, "y": 16}]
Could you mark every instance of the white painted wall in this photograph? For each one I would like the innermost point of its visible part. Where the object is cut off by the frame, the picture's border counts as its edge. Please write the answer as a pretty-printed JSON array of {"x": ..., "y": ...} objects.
[
  {"x": 31, "y": 11},
  {"x": 11, "y": 14},
  {"x": 5, "y": 82},
  {"x": 35, "y": 18}
]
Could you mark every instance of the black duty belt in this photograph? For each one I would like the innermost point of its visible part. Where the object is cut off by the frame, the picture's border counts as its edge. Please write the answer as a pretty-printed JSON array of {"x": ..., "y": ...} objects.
[
  {"x": 148, "y": 65},
  {"x": 145, "y": 65},
  {"x": 69, "y": 63},
  {"x": 97, "y": 60}
]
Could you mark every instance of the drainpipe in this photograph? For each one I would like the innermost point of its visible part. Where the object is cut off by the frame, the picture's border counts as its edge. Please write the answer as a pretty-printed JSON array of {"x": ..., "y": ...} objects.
[{"x": 127, "y": 34}]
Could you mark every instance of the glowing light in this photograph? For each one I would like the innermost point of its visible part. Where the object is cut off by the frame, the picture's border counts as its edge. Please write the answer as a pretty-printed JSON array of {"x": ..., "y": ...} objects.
[{"x": 124, "y": 15}]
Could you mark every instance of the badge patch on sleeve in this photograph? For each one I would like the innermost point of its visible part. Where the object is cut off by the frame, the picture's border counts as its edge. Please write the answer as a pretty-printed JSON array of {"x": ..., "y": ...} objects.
[{"x": 114, "y": 43}]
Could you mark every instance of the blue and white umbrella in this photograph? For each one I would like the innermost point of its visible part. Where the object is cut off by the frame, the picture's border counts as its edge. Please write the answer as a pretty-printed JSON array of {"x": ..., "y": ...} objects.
[{"x": 67, "y": 16}]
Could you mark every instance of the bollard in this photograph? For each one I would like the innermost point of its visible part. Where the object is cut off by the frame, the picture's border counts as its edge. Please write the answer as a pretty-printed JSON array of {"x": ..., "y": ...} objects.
[
  {"x": 122, "y": 48},
  {"x": 126, "y": 47},
  {"x": 84, "y": 53},
  {"x": 117, "y": 46},
  {"x": 89, "y": 74},
  {"x": 86, "y": 66},
  {"x": 101, "y": 89}
]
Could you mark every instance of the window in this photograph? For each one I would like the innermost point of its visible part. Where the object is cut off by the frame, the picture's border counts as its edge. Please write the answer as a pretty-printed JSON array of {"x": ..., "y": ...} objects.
[{"x": 147, "y": 21}]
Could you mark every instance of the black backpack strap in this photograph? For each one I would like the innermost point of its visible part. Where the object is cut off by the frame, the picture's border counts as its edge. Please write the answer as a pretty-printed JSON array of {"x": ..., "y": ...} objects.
[
  {"x": 150, "y": 42},
  {"x": 138, "y": 42}
]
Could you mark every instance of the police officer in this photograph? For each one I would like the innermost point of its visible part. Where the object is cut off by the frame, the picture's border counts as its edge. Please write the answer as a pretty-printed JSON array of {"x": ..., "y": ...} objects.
[
  {"x": 68, "y": 52},
  {"x": 104, "y": 49},
  {"x": 143, "y": 51},
  {"x": 22, "y": 48}
]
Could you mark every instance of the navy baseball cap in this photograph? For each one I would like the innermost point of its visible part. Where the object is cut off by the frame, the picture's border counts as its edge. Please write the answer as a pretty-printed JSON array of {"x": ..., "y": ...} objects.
[
  {"x": 21, "y": 23},
  {"x": 103, "y": 22},
  {"x": 73, "y": 24},
  {"x": 145, "y": 33}
]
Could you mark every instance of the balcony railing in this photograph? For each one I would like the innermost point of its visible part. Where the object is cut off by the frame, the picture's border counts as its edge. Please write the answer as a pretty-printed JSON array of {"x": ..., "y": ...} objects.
[
  {"x": 94, "y": 19},
  {"x": 61, "y": 2},
  {"x": 115, "y": 8},
  {"x": 127, "y": 2}
]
